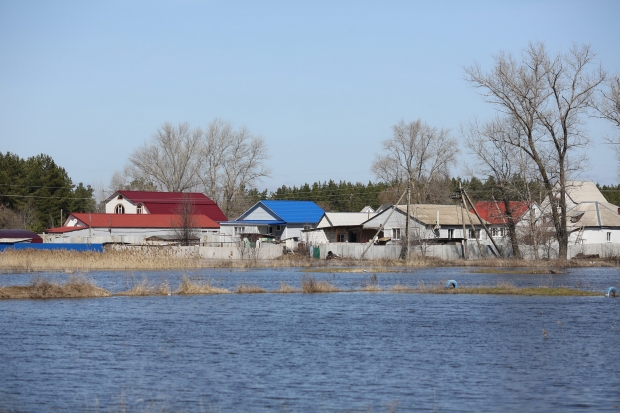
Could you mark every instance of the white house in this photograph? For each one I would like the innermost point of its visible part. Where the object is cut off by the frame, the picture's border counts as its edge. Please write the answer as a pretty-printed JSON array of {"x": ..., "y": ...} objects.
[
  {"x": 341, "y": 227},
  {"x": 440, "y": 223},
  {"x": 279, "y": 220}
]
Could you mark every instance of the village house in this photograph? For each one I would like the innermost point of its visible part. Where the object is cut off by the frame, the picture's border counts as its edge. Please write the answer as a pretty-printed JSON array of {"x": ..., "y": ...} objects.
[
  {"x": 434, "y": 223},
  {"x": 140, "y": 217},
  {"x": 340, "y": 227},
  {"x": 524, "y": 213},
  {"x": 277, "y": 220}
]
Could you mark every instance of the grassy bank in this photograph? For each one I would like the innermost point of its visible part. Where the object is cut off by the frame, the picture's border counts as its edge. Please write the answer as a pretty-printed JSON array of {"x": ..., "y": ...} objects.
[{"x": 81, "y": 287}]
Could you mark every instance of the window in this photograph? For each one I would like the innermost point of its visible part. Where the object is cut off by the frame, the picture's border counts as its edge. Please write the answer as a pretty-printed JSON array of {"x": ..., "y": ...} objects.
[
  {"x": 307, "y": 227},
  {"x": 450, "y": 233},
  {"x": 278, "y": 228},
  {"x": 498, "y": 232},
  {"x": 139, "y": 209},
  {"x": 270, "y": 231},
  {"x": 609, "y": 237},
  {"x": 396, "y": 233},
  {"x": 341, "y": 238},
  {"x": 119, "y": 209},
  {"x": 474, "y": 234},
  {"x": 239, "y": 230}
]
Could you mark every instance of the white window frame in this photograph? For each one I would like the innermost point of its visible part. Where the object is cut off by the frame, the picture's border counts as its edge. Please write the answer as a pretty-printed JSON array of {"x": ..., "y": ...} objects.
[
  {"x": 140, "y": 209},
  {"x": 307, "y": 227},
  {"x": 278, "y": 228},
  {"x": 119, "y": 209},
  {"x": 340, "y": 238},
  {"x": 609, "y": 236},
  {"x": 450, "y": 233},
  {"x": 239, "y": 230},
  {"x": 396, "y": 233}
]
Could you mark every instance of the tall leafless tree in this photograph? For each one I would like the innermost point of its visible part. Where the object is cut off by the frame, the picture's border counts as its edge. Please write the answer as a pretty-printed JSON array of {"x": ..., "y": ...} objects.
[
  {"x": 171, "y": 159},
  {"x": 224, "y": 163},
  {"x": 417, "y": 154},
  {"x": 608, "y": 107},
  {"x": 547, "y": 96},
  {"x": 499, "y": 161},
  {"x": 232, "y": 161}
]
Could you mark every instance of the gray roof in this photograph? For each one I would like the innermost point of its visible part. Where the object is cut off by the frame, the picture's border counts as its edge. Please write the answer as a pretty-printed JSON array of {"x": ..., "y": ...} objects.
[
  {"x": 448, "y": 214},
  {"x": 594, "y": 214},
  {"x": 584, "y": 191}
]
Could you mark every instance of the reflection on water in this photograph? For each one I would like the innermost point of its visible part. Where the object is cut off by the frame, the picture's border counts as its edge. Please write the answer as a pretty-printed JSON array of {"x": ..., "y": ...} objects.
[{"x": 314, "y": 352}]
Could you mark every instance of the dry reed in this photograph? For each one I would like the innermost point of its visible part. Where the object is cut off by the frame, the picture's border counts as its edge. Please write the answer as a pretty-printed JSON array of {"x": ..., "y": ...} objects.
[
  {"x": 188, "y": 287},
  {"x": 310, "y": 285},
  {"x": 75, "y": 287},
  {"x": 502, "y": 288}
]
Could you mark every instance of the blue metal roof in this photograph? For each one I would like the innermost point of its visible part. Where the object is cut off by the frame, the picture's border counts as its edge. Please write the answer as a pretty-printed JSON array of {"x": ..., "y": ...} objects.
[{"x": 296, "y": 212}]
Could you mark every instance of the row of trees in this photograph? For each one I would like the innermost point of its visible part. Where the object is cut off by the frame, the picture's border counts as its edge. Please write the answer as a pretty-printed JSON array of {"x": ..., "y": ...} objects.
[
  {"x": 538, "y": 135},
  {"x": 222, "y": 162},
  {"x": 35, "y": 192}
]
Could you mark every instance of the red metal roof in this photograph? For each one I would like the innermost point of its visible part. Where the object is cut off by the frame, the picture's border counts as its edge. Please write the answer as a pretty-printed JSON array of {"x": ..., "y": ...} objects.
[
  {"x": 134, "y": 221},
  {"x": 495, "y": 211},
  {"x": 166, "y": 202}
]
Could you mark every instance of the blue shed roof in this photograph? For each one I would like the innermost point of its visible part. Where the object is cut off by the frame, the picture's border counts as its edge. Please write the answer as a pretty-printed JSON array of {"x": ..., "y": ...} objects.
[{"x": 300, "y": 212}]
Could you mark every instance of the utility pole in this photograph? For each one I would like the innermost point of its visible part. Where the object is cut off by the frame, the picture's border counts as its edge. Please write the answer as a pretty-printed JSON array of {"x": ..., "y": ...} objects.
[
  {"x": 464, "y": 241},
  {"x": 483, "y": 224},
  {"x": 404, "y": 252},
  {"x": 372, "y": 241}
]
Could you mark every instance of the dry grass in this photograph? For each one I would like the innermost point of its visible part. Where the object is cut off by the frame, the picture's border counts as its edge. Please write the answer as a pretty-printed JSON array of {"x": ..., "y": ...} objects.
[
  {"x": 371, "y": 288},
  {"x": 146, "y": 289},
  {"x": 75, "y": 287},
  {"x": 285, "y": 288},
  {"x": 188, "y": 287},
  {"x": 500, "y": 289},
  {"x": 310, "y": 285},
  {"x": 249, "y": 289}
]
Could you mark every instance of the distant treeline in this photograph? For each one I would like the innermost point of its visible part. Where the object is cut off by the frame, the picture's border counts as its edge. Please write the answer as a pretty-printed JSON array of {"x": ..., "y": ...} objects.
[{"x": 33, "y": 192}]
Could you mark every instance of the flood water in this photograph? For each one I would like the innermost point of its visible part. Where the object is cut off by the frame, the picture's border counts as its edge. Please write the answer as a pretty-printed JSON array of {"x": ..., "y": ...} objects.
[{"x": 354, "y": 351}]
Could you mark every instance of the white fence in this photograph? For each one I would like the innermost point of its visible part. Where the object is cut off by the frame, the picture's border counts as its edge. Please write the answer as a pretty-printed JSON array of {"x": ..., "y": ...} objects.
[{"x": 454, "y": 252}]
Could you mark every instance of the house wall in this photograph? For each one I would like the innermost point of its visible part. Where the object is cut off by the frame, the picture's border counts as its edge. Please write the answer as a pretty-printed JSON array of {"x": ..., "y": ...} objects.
[
  {"x": 594, "y": 236},
  {"x": 104, "y": 235},
  {"x": 130, "y": 207},
  {"x": 260, "y": 214}
]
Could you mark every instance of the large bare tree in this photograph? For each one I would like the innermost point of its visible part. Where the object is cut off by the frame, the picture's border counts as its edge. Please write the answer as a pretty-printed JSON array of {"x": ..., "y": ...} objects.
[
  {"x": 417, "y": 155},
  {"x": 233, "y": 161},
  {"x": 171, "y": 160},
  {"x": 547, "y": 96},
  {"x": 222, "y": 162},
  {"x": 608, "y": 107}
]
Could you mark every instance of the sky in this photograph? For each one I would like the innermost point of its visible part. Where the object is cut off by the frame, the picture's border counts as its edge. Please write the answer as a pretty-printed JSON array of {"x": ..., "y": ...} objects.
[{"x": 323, "y": 82}]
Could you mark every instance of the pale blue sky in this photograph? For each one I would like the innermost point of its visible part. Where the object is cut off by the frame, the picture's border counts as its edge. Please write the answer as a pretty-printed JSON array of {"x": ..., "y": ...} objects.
[{"x": 322, "y": 81}]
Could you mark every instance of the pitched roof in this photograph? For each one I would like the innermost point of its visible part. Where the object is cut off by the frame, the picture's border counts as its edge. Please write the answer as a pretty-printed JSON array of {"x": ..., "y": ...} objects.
[
  {"x": 448, "y": 214},
  {"x": 136, "y": 220},
  {"x": 594, "y": 214},
  {"x": 495, "y": 212},
  {"x": 295, "y": 212},
  {"x": 584, "y": 191},
  {"x": 344, "y": 219},
  {"x": 166, "y": 202}
]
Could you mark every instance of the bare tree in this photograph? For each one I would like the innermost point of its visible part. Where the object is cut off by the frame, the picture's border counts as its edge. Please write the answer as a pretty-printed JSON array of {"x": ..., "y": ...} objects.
[
  {"x": 608, "y": 107},
  {"x": 184, "y": 224},
  {"x": 232, "y": 161},
  {"x": 417, "y": 154},
  {"x": 171, "y": 160},
  {"x": 547, "y": 97},
  {"x": 497, "y": 160}
]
